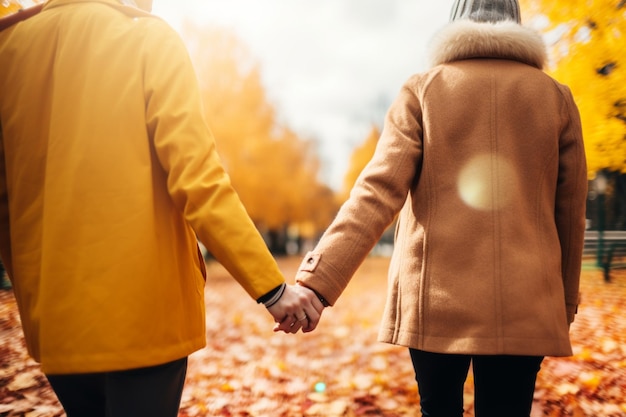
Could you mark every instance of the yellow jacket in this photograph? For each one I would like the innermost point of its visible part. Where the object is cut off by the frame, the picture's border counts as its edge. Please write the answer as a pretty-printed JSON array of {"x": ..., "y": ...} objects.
[{"x": 108, "y": 172}]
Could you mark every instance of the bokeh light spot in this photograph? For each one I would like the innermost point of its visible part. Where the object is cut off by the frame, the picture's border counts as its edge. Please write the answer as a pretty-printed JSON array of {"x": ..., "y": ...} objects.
[{"x": 487, "y": 182}]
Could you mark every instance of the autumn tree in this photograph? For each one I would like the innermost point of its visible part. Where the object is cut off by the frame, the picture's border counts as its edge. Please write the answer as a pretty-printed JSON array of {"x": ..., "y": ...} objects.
[
  {"x": 586, "y": 39},
  {"x": 588, "y": 54},
  {"x": 274, "y": 171},
  {"x": 359, "y": 158}
]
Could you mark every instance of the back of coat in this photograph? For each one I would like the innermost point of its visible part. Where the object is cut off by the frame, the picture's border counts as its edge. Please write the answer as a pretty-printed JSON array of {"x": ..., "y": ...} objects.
[{"x": 495, "y": 217}]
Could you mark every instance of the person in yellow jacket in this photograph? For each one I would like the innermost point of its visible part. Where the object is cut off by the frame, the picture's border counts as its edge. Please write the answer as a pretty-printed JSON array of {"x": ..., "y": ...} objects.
[{"x": 109, "y": 176}]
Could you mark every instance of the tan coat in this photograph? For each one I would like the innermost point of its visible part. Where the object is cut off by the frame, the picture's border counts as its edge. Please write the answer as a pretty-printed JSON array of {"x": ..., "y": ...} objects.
[
  {"x": 108, "y": 172},
  {"x": 483, "y": 155}
]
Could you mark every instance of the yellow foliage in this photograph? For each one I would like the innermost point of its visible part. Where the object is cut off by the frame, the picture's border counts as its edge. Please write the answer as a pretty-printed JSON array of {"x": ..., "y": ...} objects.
[
  {"x": 591, "y": 380},
  {"x": 226, "y": 387},
  {"x": 585, "y": 354},
  {"x": 359, "y": 159},
  {"x": 274, "y": 171},
  {"x": 588, "y": 55}
]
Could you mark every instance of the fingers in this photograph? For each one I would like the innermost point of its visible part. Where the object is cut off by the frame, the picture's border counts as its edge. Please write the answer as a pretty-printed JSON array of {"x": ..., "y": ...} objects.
[
  {"x": 293, "y": 325},
  {"x": 290, "y": 324},
  {"x": 314, "y": 313},
  {"x": 298, "y": 309}
]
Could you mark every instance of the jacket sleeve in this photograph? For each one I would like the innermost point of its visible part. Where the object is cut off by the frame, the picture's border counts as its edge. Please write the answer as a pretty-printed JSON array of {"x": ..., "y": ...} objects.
[
  {"x": 375, "y": 200},
  {"x": 196, "y": 179},
  {"x": 570, "y": 203}
]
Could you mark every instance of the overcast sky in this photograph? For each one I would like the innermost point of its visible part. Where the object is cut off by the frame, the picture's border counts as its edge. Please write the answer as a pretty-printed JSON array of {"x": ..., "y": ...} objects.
[{"x": 331, "y": 67}]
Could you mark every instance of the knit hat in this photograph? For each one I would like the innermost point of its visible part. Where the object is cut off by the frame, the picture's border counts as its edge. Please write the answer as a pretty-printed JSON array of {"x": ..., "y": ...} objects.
[{"x": 486, "y": 10}]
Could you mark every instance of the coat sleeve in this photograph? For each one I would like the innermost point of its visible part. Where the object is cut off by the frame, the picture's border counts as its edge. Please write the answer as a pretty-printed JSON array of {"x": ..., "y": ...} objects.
[
  {"x": 196, "y": 179},
  {"x": 376, "y": 198},
  {"x": 570, "y": 203}
]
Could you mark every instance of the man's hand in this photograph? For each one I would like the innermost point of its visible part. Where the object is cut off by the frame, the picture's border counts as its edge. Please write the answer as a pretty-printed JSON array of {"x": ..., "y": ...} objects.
[{"x": 298, "y": 308}]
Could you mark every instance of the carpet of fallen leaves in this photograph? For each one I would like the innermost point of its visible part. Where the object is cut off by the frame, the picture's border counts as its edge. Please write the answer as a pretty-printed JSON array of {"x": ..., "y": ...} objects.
[{"x": 339, "y": 370}]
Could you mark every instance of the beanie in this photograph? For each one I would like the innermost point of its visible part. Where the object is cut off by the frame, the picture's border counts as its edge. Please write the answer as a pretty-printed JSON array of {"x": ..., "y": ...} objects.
[{"x": 486, "y": 10}]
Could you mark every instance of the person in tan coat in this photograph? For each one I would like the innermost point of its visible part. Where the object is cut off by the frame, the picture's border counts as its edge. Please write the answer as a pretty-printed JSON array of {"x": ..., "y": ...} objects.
[
  {"x": 482, "y": 156},
  {"x": 109, "y": 175}
]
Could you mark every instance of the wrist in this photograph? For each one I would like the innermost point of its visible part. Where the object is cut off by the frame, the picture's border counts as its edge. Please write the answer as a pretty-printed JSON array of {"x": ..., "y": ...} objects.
[
  {"x": 272, "y": 297},
  {"x": 320, "y": 297}
]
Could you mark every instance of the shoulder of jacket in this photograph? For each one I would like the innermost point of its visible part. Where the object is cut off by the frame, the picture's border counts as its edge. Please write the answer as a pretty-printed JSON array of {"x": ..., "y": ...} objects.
[
  {"x": 419, "y": 82},
  {"x": 127, "y": 10}
]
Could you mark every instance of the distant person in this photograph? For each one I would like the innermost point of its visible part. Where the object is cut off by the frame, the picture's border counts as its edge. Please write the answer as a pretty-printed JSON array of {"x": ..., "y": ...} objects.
[
  {"x": 108, "y": 175},
  {"x": 482, "y": 155}
]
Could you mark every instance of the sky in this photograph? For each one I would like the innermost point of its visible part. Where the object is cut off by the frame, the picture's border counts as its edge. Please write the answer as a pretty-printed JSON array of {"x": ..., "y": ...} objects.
[{"x": 331, "y": 68}]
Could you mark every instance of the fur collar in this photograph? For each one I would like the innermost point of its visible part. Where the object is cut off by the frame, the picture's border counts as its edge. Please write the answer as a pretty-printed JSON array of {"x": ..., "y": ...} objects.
[{"x": 464, "y": 39}]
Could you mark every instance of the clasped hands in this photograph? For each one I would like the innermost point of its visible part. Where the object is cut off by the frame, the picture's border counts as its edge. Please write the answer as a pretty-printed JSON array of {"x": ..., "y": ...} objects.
[{"x": 298, "y": 308}]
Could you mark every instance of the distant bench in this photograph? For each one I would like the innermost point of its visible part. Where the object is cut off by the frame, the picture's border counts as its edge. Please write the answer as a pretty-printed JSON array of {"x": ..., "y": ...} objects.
[{"x": 610, "y": 250}]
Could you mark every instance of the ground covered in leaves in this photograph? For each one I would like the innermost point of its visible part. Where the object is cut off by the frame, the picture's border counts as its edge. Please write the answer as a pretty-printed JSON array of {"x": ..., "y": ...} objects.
[{"x": 339, "y": 370}]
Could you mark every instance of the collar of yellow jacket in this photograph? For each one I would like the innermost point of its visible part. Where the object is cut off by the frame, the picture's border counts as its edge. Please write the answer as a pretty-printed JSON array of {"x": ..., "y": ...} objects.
[
  {"x": 128, "y": 7},
  {"x": 13, "y": 13},
  {"x": 10, "y": 7}
]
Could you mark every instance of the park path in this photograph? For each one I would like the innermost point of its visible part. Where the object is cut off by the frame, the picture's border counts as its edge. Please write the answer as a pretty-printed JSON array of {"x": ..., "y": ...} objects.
[{"x": 340, "y": 370}]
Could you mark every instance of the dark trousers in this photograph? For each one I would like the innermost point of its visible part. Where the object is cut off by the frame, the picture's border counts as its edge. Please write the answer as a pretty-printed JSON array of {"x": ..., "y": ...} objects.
[
  {"x": 503, "y": 385},
  {"x": 146, "y": 392}
]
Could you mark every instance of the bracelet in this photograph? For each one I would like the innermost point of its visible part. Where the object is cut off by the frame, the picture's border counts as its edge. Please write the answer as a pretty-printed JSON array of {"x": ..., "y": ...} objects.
[
  {"x": 324, "y": 302},
  {"x": 276, "y": 296}
]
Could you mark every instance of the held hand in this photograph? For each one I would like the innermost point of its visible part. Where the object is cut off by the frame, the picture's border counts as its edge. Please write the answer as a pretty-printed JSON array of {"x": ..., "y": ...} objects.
[{"x": 298, "y": 308}]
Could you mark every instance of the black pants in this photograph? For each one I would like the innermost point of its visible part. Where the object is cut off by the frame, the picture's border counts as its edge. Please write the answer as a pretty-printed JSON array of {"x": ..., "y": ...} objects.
[
  {"x": 146, "y": 392},
  {"x": 503, "y": 385}
]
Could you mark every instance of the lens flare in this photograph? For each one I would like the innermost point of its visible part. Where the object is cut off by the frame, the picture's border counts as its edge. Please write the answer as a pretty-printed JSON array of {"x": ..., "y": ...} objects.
[{"x": 487, "y": 182}]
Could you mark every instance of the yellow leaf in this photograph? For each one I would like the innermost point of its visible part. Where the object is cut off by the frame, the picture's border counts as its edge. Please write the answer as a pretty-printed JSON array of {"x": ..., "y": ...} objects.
[
  {"x": 590, "y": 380},
  {"x": 22, "y": 381},
  {"x": 567, "y": 388},
  {"x": 226, "y": 387}
]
